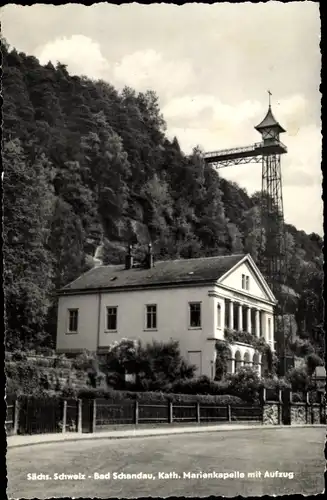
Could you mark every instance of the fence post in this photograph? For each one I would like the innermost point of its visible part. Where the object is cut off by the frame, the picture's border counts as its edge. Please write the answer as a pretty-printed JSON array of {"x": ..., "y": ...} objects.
[
  {"x": 16, "y": 416},
  {"x": 93, "y": 415},
  {"x": 229, "y": 413},
  {"x": 64, "y": 416},
  {"x": 136, "y": 413},
  {"x": 198, "y": 416},
  {"x": 170, "y": 412},
  {"x": 79, "y": 415},
  {"x": 308, "y": 412}
]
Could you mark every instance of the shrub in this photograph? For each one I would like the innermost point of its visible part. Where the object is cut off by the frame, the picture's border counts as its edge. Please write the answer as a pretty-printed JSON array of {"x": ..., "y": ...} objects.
[
  {"x": 85, "y": 361},
  {"x": 302, "y": 347},
  {"x": 246, "y": 384},
  {"x": 155, "y": 365},
  {"x": 312, "y": 361},
  {"x": 299, "y": 379},
  {"x": 69, "y": 391},
  {"x": 200, "y": 385},
  {"x": 159, "y": 397},
  {"x": 276, "y": 383}
]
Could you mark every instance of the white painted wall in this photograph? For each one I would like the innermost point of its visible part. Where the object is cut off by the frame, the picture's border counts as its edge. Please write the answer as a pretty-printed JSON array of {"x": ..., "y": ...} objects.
[
  {"x": 172, "y": 317},
  {"x": 172, "y": 320},
  {"x": 86, "y": 338}
]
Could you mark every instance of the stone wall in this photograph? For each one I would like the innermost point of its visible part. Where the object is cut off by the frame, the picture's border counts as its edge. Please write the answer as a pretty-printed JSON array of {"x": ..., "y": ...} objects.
[
  {"x": 271, "y": 414},
  {"x": 315, "y": 414},
  {"x": 299, "y": 413}
]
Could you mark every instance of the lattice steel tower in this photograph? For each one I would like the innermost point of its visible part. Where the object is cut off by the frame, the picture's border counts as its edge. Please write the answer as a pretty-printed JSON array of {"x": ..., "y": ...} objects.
[{"x": 272, "y": 246}]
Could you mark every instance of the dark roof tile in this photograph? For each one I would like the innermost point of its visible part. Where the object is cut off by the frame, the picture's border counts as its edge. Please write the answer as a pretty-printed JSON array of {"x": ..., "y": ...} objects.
[{"x": 164, "y": 272}]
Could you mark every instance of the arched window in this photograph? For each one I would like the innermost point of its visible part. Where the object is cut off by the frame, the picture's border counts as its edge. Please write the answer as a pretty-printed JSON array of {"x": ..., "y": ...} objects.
[
  {"x": 238, "y": 360},
  {"x": 246, "y": 359},
  {"x": 218, "y": 315}
]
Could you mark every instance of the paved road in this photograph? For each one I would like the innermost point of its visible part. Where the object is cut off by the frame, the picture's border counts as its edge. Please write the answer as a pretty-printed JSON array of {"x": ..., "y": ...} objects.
[{"x": 299, "y": 452}]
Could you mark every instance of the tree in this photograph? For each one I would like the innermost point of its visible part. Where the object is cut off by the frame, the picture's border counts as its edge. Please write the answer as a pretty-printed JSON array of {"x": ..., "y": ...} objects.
[
  {"x": 107, "y": 169},
  {"x": 28, "y": 205}
]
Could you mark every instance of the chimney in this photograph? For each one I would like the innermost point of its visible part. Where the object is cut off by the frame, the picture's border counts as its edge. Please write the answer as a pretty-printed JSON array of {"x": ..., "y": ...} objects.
[
  {"x": 149, "y": 257},
  {"x": 129, "y": 258}
]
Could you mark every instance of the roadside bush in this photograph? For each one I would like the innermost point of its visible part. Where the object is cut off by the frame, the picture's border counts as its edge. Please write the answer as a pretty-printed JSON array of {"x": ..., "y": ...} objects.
[
  {"x": 299, "y": 379},
  {"x": 201, "y": 385},
  {"x": 159, "y": 397},
  {"x": 276, "y": 383},
  {"x": 312, "y": 361},
  {"x": 302, "y": 347},
  {"x": 155, "y": 365},
  {"x": 85, "y": 361},
  {"x": 69, "y": 391},
  {"x": 245, "y": 383}
]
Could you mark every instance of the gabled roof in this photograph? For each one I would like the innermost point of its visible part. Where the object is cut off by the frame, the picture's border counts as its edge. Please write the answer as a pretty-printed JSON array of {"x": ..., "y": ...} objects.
[
  {"x": 170, "y": 272},
  {"x": 247, "y": 258},
  {"x": 269, "y": 121}
]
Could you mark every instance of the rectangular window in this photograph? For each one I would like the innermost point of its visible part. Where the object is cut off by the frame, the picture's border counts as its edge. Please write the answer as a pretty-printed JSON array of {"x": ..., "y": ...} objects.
[
  {"x": 195, "y": 315},
  {"x": 72, "y": 320},
  {"x": 218, "y": 315},
  {"x": 245, "y": 282},
  {"x": 151, "y": 317},
  {"x": 112, "y": 318}
]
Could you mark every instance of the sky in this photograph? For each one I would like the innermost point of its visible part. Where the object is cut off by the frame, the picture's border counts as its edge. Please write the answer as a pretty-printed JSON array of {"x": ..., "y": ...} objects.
[{"x": 211, "y": 66}]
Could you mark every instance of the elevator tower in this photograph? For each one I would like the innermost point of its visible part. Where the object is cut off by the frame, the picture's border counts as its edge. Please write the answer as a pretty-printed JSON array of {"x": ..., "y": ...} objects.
[{"x": 272, "y": 242}]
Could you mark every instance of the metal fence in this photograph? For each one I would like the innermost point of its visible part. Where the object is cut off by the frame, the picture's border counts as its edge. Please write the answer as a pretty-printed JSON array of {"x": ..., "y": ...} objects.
[
  {"x": 10, "y": 416},
  {"x": 158, "y": 413},
  {"x": 71, "y": 420},
  {"x": 36, "y": 416},
  {"x": 246, "y": 413},
  {"x": 107, "y": 413}
]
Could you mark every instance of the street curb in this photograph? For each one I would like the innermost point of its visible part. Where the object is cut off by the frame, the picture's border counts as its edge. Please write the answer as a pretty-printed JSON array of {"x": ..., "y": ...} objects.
[{"x": 84, "y": 437}]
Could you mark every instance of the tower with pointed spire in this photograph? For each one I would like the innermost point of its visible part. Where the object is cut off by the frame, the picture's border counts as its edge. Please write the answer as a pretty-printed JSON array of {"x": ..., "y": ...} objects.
[{"x": 271, "y": 259}]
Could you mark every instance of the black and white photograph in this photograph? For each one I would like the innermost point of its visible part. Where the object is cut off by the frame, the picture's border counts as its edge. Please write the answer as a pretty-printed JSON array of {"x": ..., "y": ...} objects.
[{"x": 163, "y": 250}]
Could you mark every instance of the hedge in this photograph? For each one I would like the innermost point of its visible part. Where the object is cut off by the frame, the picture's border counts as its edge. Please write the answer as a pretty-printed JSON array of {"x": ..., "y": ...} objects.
[{"x": 159, "y": 397}]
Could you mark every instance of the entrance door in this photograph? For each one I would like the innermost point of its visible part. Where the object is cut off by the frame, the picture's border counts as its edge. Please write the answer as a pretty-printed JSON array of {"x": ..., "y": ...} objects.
[{"x": 195, "y": 358}]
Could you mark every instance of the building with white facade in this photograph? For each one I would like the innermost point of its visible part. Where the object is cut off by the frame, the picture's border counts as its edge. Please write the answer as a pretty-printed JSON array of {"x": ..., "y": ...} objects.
[{"x": 194, "y": 301}]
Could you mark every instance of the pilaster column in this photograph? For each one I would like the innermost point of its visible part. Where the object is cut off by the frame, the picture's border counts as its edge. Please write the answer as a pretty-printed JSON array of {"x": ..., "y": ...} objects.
[
  {"x": 231, "y": 315},
  {"x": 264, "y": 325},
  {"x": 248, "y": 320},
  {"x": 240, "y": 318},
  {"x": 257, "y": 323}
]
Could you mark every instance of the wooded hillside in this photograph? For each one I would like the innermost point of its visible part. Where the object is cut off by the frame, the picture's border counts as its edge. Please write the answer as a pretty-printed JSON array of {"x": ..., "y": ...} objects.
[{"x": 85, "y": 164}]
